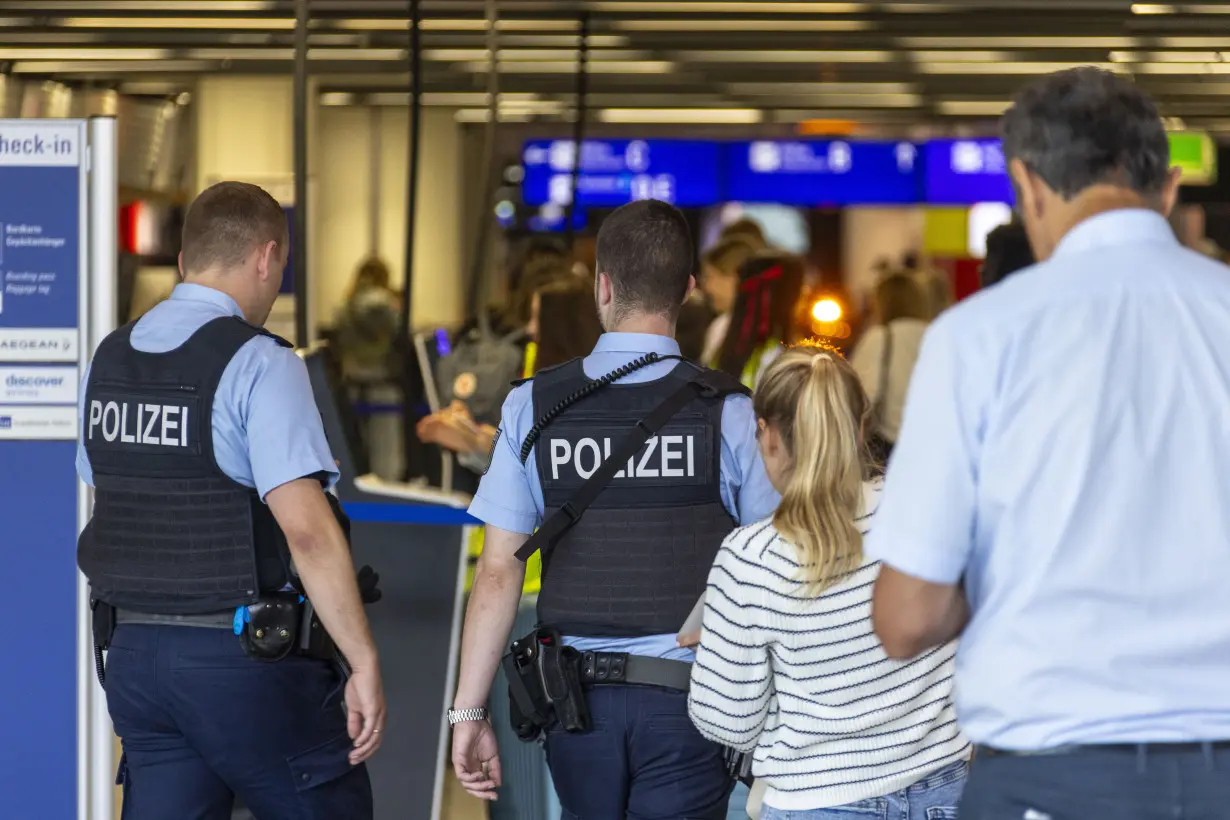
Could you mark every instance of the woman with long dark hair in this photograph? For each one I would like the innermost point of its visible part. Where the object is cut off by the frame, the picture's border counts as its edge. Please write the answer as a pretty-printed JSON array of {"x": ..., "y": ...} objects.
[{"x": 765, "y": 315}]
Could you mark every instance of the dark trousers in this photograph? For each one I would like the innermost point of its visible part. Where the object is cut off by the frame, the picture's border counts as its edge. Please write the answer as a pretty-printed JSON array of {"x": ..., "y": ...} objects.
[
  {"x": 1147, "y": 782},
  {"x": 644, "y": 760},
  {"x": 201, "y": 722}
]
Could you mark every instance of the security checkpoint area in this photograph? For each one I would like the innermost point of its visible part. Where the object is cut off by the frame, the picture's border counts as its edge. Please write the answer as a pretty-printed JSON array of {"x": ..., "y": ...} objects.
[{"x": 442, "y": 170}]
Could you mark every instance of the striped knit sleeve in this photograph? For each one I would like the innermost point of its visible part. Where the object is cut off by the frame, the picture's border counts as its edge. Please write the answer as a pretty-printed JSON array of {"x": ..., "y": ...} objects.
[{"x": 732, "y": 682}]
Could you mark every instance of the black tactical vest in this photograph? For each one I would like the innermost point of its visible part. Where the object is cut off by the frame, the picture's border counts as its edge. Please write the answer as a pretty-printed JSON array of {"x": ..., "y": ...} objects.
[
  {"x": 171, "y": 533},
  {"x": 638, "y": 559}
]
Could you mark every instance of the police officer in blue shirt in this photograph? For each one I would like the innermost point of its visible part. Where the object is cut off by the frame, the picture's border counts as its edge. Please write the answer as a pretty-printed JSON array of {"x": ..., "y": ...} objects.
[
  {"x": 202, "y": 440},
  {"x": 622, "y": 578}
]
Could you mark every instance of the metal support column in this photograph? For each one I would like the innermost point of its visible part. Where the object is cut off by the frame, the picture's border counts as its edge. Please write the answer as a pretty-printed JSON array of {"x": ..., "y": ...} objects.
[
  {"x": 412, "y": 164},
  {"x": 578, "y": 129},
  {"x": 299, "y": 233}
]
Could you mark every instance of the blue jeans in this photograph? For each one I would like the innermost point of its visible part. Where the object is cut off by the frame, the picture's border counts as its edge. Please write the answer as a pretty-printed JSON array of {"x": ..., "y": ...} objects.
[
  {"x": 201, "y": 722},
  {"x": 935, "y": 797},
  {"x": 1147, "y": 782},
  {"x": 643, "y": 760}
]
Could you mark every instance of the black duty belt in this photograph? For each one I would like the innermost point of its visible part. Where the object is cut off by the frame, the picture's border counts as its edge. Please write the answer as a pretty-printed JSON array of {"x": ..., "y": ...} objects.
[
  {"x": 209, "y": 620},
  {"x": 602, "y": 668},
  {"x": 1133, "y": 748}
]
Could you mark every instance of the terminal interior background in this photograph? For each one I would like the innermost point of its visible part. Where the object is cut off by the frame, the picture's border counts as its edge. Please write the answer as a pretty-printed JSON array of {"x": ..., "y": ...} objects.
[{"x": 858, "y": 134}]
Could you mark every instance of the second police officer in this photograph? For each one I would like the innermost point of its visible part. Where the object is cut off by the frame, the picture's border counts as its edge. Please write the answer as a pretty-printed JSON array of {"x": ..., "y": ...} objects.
[
  {"x": 201, "y": 437},
  {"x": 627, "y": 554}
]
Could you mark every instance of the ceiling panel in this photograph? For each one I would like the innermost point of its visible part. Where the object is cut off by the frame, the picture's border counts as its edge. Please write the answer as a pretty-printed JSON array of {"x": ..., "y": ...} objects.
[{"x": 937, "y": 63}]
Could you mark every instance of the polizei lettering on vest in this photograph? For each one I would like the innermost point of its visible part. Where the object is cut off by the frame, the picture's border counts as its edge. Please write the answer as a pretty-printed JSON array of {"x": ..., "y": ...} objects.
[
  {"x": 165, "y": 425},
  {"x": 663, "y": 457}
]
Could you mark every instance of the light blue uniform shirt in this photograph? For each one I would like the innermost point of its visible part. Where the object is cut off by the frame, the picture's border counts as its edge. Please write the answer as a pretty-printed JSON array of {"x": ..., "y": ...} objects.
[
  {"x": 510, "y": 495},
  {"x": 266, "y": 428},
  {"x": 1066, "y": 450}
]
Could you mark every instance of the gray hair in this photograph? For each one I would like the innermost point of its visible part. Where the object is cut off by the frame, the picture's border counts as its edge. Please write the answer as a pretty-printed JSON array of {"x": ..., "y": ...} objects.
[{"x": 1084, "y": 127}]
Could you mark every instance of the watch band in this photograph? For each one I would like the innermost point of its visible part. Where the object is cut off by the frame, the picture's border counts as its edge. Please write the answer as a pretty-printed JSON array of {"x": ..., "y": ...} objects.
[{"x": 456, "y": 716}]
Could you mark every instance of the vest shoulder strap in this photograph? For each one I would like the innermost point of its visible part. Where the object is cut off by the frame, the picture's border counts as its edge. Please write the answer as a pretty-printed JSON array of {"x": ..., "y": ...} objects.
[
  {"x": 544, "y": 374},
  {"x": 562, "y": 520}
]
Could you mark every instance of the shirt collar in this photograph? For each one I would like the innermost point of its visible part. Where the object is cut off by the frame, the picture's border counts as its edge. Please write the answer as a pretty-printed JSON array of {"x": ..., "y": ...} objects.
[
  {"x": 1114, "y": 228},
  {"x": 636, "y": 343},
  {"x": 189, "y": 292}
]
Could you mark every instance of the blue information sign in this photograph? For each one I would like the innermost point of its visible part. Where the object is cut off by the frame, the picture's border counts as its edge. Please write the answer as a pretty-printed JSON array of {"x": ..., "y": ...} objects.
[
  {"x": 822, "y": 172},
  {"x": 41, "y": 186},
  {"x": 963, "y": 172},
  {"x": 615, "y": 172}
]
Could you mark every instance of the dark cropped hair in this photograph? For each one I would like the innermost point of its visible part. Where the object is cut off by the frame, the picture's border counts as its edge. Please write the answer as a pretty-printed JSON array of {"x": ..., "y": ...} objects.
[
  {"x": 227, "y": 222},
  {"x": 645, "y": 247},
  {"x": 1085, "y": 126}
]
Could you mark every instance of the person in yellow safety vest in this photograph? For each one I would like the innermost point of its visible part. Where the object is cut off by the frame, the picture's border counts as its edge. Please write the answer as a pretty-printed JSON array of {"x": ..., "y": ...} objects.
[
  {"x": 765, "y": 315},
  {"x": 572, "y": 331}
]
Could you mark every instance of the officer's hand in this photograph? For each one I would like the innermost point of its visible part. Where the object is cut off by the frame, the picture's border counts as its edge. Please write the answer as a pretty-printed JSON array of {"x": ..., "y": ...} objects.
[
  {"x": 476, "y": 758},
  {"x": 688, "y": 640},
  {"x": 364, "y": 712}
]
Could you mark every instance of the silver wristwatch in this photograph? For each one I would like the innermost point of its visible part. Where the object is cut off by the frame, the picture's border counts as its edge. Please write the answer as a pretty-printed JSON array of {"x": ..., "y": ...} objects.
[{"x": 456, "y": 716}]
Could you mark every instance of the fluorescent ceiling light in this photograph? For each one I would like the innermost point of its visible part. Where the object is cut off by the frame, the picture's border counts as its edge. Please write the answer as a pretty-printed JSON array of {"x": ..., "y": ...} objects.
[
  {"x": 1013, "y": 68},
  {"x": 723, "y": 116},
  {"x": 1170, "y": 56},
  {"x": 213, "y": 6},
  {"x": 783, "y": 89},
  {"x": 150, "y": 88},
  {"x": 571, "y": 67},
  {"x": 1181, "y": 68},
  {"x": 962, "y": 56},
  {"x": 289, "y": 54},
  {"x": 437, "y": 24},
  {"x": 264, "y": 23},
  {"x": 973, "y": 108},
  {"x": 764, "y": 7},
  {"x": 484, "y": 114},
  {"x": 699, "y": 25},
  {"x": 752, "y": 56},
  {"x": 1152, "y": 8},
  {"x": 1018, "y": 42},
  {"x": 84, "y": 53},
  {"x": 110, "y": 66},
  {"x": 336, "y": 98},
  {"x": 449, "y": 55},
  {"x": 562, "y": 41}
]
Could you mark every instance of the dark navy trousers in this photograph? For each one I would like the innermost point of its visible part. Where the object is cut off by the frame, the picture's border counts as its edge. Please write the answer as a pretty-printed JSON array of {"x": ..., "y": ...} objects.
[
  {"x": 1147, "y": 782},
  {"x": 644, "y": 760},
  {"x": 200, "y": 722}
]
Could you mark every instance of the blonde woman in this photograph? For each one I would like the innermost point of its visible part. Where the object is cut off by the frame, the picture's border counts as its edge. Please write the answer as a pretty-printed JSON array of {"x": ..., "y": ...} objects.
[{"x": 788, "y": 666}]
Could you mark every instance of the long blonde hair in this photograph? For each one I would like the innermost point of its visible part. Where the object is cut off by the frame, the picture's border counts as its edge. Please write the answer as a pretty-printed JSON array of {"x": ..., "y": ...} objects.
[{"x": 812, "y": 397}]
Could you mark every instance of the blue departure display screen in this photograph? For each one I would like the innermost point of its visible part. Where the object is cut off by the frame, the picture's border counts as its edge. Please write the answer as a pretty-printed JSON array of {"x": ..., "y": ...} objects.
[
  {"x": 823, "y": 172},
  {"x": 963, "y": 172},
  {"x": 615, "y": 172}
]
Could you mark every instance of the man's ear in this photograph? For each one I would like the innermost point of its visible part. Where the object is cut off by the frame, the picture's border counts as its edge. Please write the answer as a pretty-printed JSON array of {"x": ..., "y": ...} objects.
[
  {"x": 268, "y": 260},
  {"x": 180, "y": 263},
  {"x": 1170, "y": 191},
  {"x": 1028, "y": 188},
  {"x": 606, "y": 289},
  {"x": 691, "y": 288}
]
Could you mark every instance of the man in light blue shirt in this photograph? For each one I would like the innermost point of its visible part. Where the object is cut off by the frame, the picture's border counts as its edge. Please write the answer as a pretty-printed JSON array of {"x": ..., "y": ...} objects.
[
  {"x": 1059, "y": 492},
  {"x": 645, "y": 260},
  {"x": 205, "y": 459}
]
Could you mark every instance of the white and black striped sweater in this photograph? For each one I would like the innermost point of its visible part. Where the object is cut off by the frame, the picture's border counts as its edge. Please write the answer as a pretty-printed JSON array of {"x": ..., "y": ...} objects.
[{"x": 805, "y": 682}]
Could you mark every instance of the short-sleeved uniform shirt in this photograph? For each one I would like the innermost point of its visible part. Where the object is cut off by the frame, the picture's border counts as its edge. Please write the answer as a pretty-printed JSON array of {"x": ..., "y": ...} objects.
[
  {"x": 1066, "y": 452},
  {"x": 266, "y": 427},
  {"x": 510, "y": 494}
]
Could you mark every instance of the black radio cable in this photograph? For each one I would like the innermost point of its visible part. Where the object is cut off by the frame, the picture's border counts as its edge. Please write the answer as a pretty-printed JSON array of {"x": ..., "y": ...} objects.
[{"x": 588, "y": 389}]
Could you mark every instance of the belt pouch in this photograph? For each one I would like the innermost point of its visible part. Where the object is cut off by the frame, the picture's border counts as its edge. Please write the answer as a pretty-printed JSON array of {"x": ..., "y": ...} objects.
[{"x": 271, "y": 631}]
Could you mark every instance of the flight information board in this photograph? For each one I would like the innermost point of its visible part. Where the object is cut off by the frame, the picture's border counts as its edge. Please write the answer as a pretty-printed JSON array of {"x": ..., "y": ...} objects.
[
  {"x": 615, "y": 172},
  {"x": 823, "y": 172},
  {"x": 962, "y": 172}
]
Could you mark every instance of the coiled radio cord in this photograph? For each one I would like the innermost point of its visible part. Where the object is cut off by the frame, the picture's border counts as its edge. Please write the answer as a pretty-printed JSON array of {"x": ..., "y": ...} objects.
[{"x": 588, "y": 389}]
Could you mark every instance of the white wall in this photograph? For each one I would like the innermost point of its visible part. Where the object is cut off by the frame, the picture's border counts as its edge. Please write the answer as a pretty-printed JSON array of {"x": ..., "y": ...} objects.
[
  {"x": 871, "y": 234},
  {"x": 343, "y": 215}
]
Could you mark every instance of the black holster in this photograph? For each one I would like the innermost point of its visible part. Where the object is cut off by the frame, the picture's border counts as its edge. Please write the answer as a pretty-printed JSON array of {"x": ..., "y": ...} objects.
[
  {"x": 544, "y": 686},
  {"x": 284, "y": 622}
]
